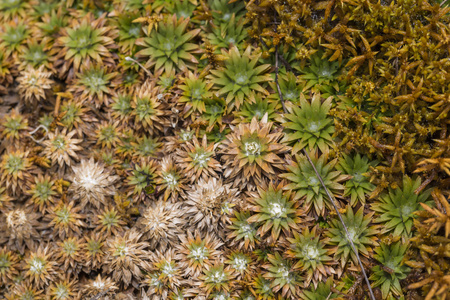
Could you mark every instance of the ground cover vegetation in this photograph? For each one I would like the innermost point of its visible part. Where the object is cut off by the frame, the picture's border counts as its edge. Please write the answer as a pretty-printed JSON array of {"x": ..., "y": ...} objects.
[{"x": 187, "y": 149}]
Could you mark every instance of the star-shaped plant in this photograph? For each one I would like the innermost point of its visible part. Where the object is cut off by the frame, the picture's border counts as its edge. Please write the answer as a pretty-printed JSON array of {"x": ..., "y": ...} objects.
[
  {"x": 313, "y": 257},
  {"x": 307, "y": 124},
  {"x": 305, "y": 182},
  {"x": 391, "y": 271},
  {"x": 13, "y": 37},
  {"x": 194, "y": 93},
  {"x": 169, "y": 47},
  {"x": 398, "y": 206},
  {"x": 362, "y": 235},
  {"x": 358, "y": 186},
  {"x": 275, "y": 211},
  {"x": 240, "y": 79},
  {"x": 226, "y": 35},
  {"x": 252, "y": 151},
  {"x": 282, "y": 275},
  {"x": 84, "y": 41},
  {"x": 94, "y": 85}
]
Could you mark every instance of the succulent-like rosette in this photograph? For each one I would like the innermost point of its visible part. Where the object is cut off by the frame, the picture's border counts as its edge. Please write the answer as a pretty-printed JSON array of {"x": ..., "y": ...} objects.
[
  {"x": 66, "y": 219},
  {"x": 282, "y": 275},
  {"x": 16, "y": 171},
  {"x": 252, "y": 151},
  {"x": 313, "y": 257},
  {"x": 33, "y": 84},
  {"x": 9, "y": 265},
  {"x": 64, "y": 289},
  {"x": 36, "y": 55},
  {"x": 75, "y": 115},
  {"x": 197, "y": 159},
  {"x": 129, "y": 31},
  {"x": 39, "y": 266},
  {"x": 170, "y": 179},
  {"x": 108, "y": 134},
  {"x": 242, "y": 264},
  {"x": 240, "y": 79},
  {"x": 195, "y": 252},
  {"x": 42, "y": 192},
  {"x": 125, "y": 256},
  {"x": 320, "y": 73},
  {"x": 194, "y": 91},
  {"x": 358, "y": 185},
  {"x": 360, "y": 231},
  {"x": 93, "y": 251},
  {"x": 99, "y": 286},
  {"x": 14, "y": 9},
  {"x": 258, "y": 109},
  {"x": 398, "y": 206},
  {"x": 305, "y": 182},
  {"x": 307, "y": 125},
  {"x": 109, "y": 222},
  {"x": 83, "y": 41},
  {"x": 216, "y": 278},
  {"x": 388, "y": 278},
  {"x": 161, "y": 225},
  {"x": 61, "y": 147},
  {"x": 68, "y": 253},
  {"x": 275, "y": 210},
  {"x": 141, "y": 179},
  {"x": 166, "y": 269},
  {"x": 94, "y": 85},
  {"x": 289, "y": 87},
  {"x": 242, "y": 231},
  {"x": 148, "y": 110},
  {"x": 92, "y": 183},
  {"x": 12, "y": 38},
  {"x": 209, "y": 204},
  {"x": 121, "y": 106},
  {"x": 229, "y": 34},
  {"x": 169, "y": 46},
  {"x": 13, "y": 126}
]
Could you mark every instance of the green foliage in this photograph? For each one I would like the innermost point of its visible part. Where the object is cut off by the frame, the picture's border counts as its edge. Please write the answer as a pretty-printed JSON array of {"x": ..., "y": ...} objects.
[
  {"x": 307, "y": 125},
  {"x": 388, "y": 275},
  {"x": 169, "y": 46},
  {"x": 358, "y": 186},
  {"x": 362, "y": 235},
  {"x": 305, "y": 182},
  {"x": 398, "y": 206},
  {"x": 240, "y": 78}
]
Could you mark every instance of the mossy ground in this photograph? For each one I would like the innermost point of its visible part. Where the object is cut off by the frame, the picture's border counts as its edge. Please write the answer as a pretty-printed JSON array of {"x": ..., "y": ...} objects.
[{"x": 160, "y": 149}]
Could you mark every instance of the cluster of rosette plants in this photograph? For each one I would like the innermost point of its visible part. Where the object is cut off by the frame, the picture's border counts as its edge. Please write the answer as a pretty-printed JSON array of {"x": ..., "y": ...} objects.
[{"x": 217, "y": 149}]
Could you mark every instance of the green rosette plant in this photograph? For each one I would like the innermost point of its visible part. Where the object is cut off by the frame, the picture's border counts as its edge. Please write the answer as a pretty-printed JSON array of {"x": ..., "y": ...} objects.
[
  {"x": 307, "y": 125},
  {"x": 397, "y": 208},
  {"x": 169, "y": 46},
  {"x": 358, "y": 185},
  {"x": 391, "y": 270},
  {"x": 240, "y": 79}
]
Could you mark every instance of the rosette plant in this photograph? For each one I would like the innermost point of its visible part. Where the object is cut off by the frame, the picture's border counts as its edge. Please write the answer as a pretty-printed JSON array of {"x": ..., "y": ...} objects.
[
  {"x": 388, "y": 275},
  {"x": 306, "y": 183},
  {"x": 313, "y": 257},
  {"x": 240, "y": 79},
  {"x": 275, "y": 211},
  {"x": 282, "y": 275},
  {"x": 168, "y": 47},
  {"x": 398, "y": 206},
  {"x": 84, "y": 40},
  {"x": 361, "y": 233},
  {"x": 226, "y": 35},
  {"x": 358, "y": 185},
  {"x": 252, "y": 151},
  {"x": 307, "y": 124}
]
